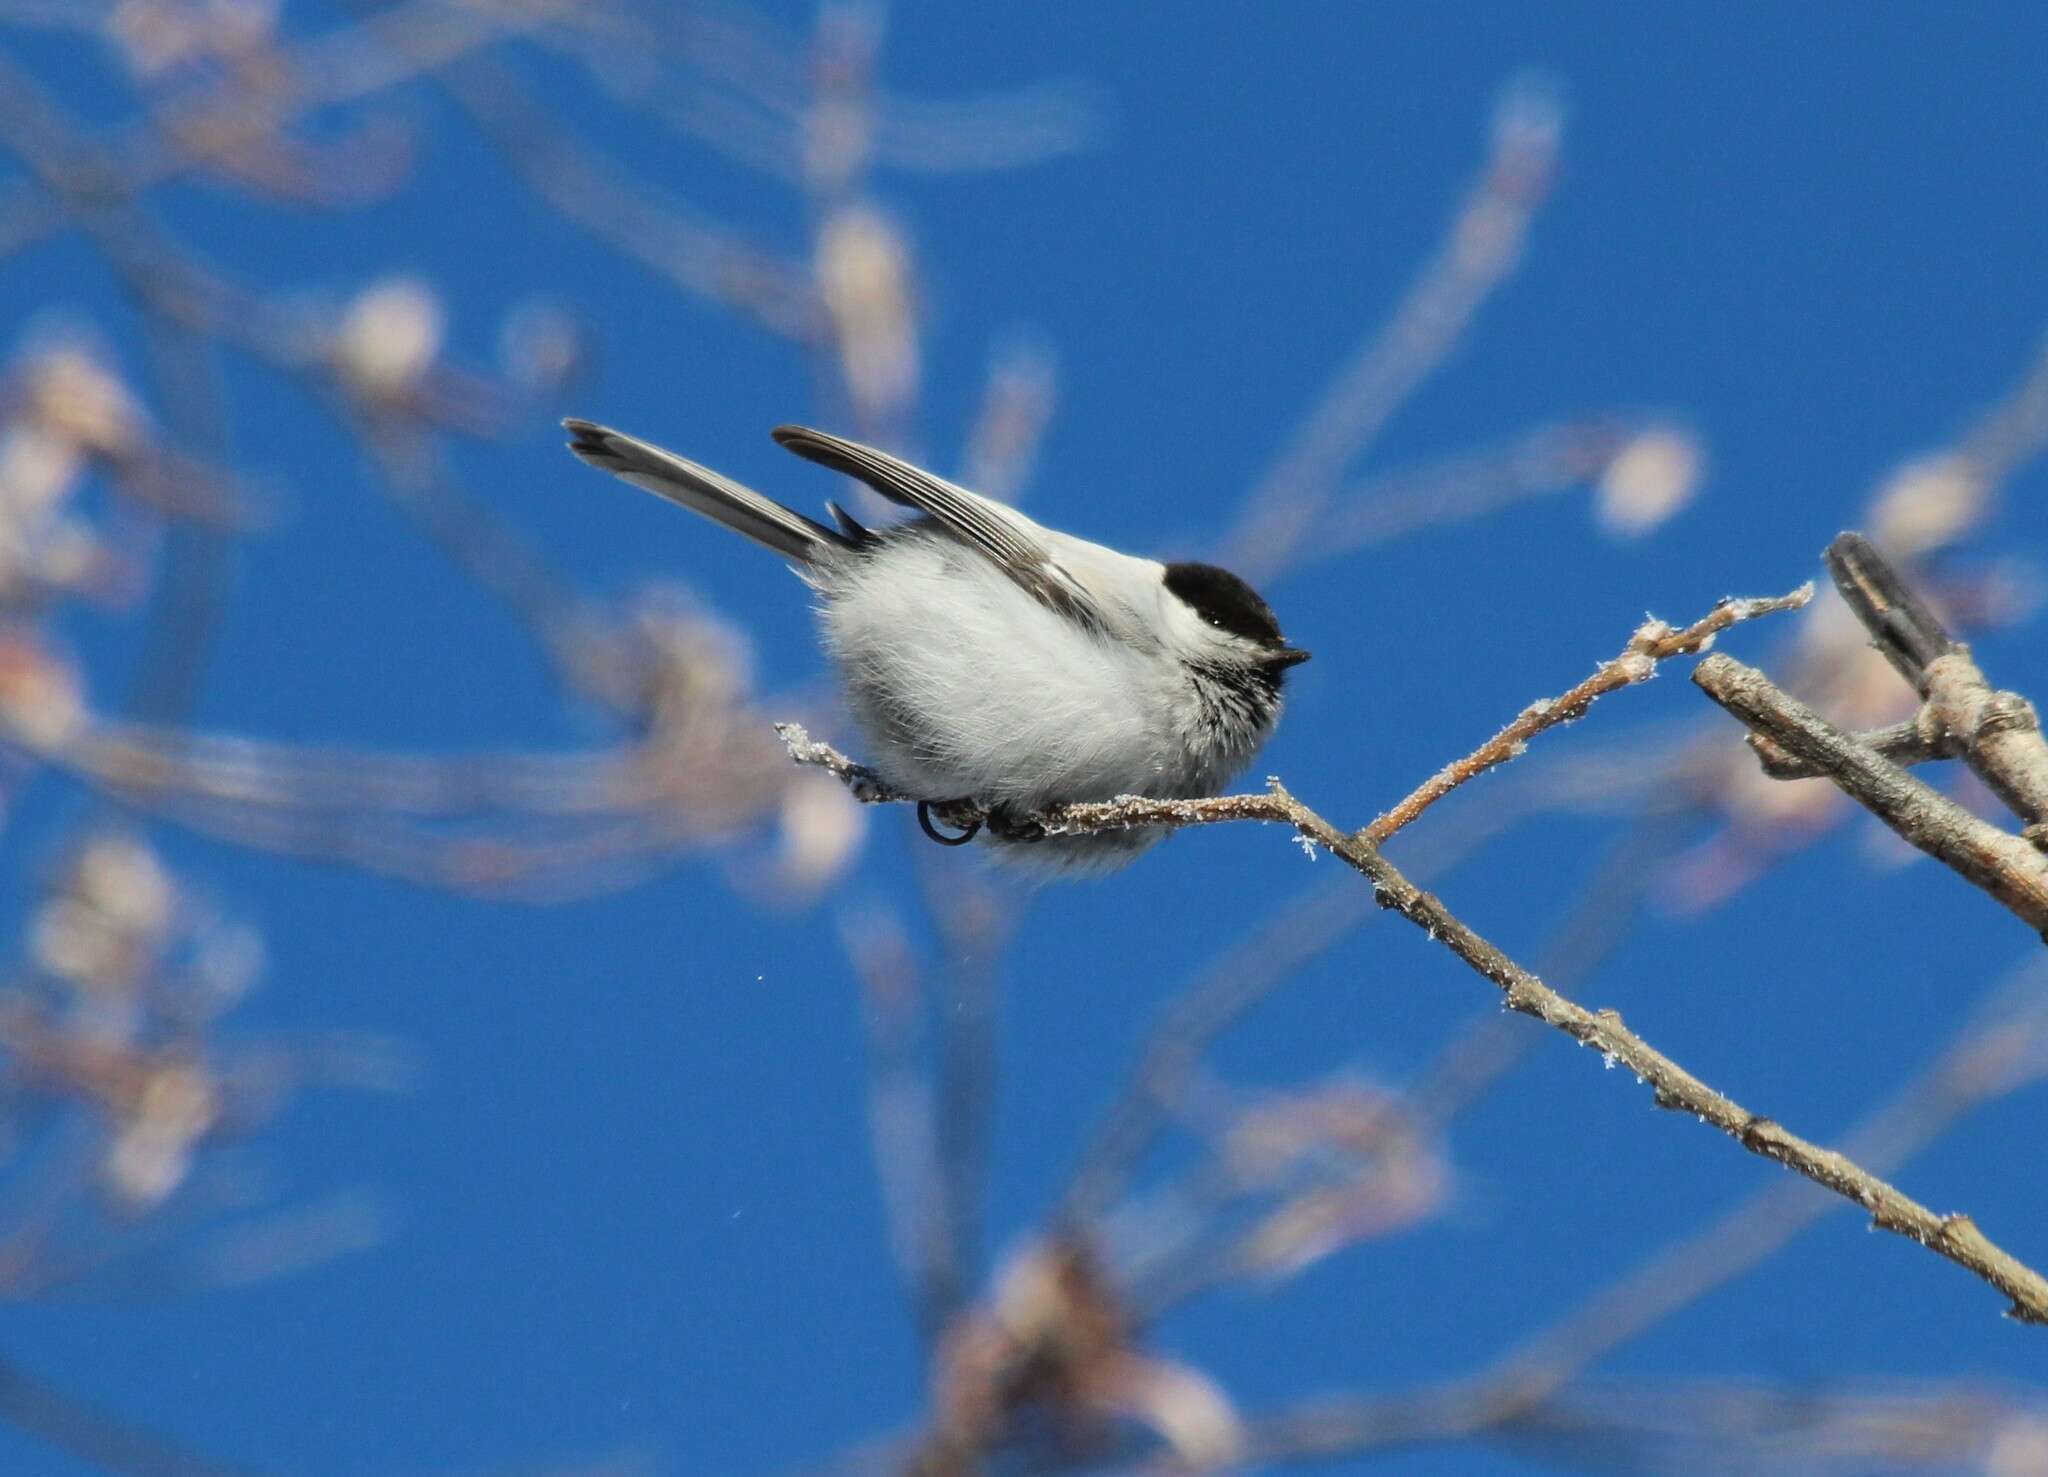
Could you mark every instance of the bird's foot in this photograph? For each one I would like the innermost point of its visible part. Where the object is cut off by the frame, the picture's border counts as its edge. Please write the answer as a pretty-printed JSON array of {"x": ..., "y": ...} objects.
[{"x": 1006, "y": 825}]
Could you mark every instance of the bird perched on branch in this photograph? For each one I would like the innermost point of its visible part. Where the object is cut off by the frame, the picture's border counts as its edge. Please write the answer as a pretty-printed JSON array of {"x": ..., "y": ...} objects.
[{"x": 1000, "y": 666}]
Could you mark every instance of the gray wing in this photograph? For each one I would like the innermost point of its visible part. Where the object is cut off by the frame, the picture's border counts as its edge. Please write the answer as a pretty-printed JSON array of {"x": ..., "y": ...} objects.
[
  {"x": 698, "y": 488},
  {"x": 981, "y": 523}
]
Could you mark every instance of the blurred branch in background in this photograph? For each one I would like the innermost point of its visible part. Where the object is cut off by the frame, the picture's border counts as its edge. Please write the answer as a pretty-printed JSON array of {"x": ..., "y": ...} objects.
[
  {"x": 1481, "y": 248},
  {"x": 118, "y": 492},
  {"x": 121, "y": 1080},
  {"x": 114, "y": 1105}
]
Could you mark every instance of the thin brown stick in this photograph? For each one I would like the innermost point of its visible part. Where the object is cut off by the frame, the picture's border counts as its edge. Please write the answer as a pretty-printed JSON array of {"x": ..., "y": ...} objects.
[
  {"x": 1645, "y": 1425},
  {"x": 1274, "y": 950},
  {"x": 1914, "y": 741},
  {"x": 1999, "y": 1049},
  {"x": 861, "y": 782},
  {"x": 1652, "y": 643},
  {"x": 1997, "y": 734},
  {"x": 1995, "y": 860},
  {"x": 1955, "y": 1237}
]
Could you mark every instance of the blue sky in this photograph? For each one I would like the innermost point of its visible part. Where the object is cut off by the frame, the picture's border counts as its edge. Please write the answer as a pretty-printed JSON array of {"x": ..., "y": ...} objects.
[{"x": 635, "y": 1210}]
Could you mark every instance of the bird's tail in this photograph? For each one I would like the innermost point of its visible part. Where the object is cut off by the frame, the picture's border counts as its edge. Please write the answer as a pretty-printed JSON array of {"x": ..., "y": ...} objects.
[{"x": 790, "y": 534}]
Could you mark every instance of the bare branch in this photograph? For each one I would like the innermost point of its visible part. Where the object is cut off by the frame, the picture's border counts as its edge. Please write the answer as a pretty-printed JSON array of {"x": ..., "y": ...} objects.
[
  {"x": 1666, "y": 1426},
  {"x": 1997, "y": 861},
  {"x": 1998, "y": 734},
  {"x": 1954, "y": 1237},
  {"x": 2000, "y": 1048},
  {"x": 1237, "y": 979},
  {"x": 1654, "y": 642},
  {"x": 861, "y": 782},
  {"x": 1914, "y": 741},
  {"x": 1904, "y": 630}
]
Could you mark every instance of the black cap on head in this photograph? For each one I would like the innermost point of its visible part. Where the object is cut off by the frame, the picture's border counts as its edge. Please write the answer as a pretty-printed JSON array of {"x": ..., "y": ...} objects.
[{"x": 1224, "y": 601}]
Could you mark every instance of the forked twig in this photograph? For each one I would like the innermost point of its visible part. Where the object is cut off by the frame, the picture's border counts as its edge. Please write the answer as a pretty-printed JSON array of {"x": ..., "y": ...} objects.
[
  {"x": 1997, "y": 734},
  {"x": 1996, "y": 860}
]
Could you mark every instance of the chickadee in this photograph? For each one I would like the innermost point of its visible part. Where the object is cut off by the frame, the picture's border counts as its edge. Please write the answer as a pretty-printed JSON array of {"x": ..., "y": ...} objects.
[{"x": 991, "y": 660}]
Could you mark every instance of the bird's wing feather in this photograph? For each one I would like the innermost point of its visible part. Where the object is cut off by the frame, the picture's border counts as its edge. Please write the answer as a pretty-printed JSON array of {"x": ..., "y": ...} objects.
[
  {"x": 988, "y": 527},
  {"x": 702, "y": 490}
]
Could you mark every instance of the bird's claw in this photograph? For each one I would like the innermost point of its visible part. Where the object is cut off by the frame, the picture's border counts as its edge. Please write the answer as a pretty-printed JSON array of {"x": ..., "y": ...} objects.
[
  {"x": 1002, "y": 823},
  {"x": 925, "y": 813}
]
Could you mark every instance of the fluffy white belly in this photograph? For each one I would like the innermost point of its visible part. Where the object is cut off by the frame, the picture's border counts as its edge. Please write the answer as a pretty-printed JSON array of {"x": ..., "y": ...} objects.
[{"x": 968, "y": 688}]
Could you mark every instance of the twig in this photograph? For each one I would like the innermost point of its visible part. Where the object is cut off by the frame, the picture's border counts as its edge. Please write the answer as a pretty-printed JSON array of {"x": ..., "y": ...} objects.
[
  {"x": 1996, "y": 733},
  {"x": 469, "y": 533},
  {"x": 1599, "y": 921},
  {"x": 1269, "y": 955},
  {"x": 1707, "y": 1425},
  {"x": 1913, "y": 741},
  {"x": 1997, "y": 861},
  {"x": 1016, "y": 403},
  {"x": 1654, "y": 642},
  {"x": 1904, "y": 630},
  {"x": 1126, "y": 812},
  {"x": 1662, "y": 1426},
  {"x": 1954, "y": 1237},
  {"x": 861, "y": 782},
  {"x": 1999, "y": 1049},
  {"x": 741, "y": 87},
  {"x": 350, "y": 62}
]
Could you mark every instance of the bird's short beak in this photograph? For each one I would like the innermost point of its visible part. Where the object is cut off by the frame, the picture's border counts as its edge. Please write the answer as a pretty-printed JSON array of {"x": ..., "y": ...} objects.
[{"x": 1288, "y": 656}]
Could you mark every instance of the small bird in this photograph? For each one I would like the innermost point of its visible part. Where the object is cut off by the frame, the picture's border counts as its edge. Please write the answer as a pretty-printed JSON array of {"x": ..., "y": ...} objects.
[{"x": 993, "y": 661}]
